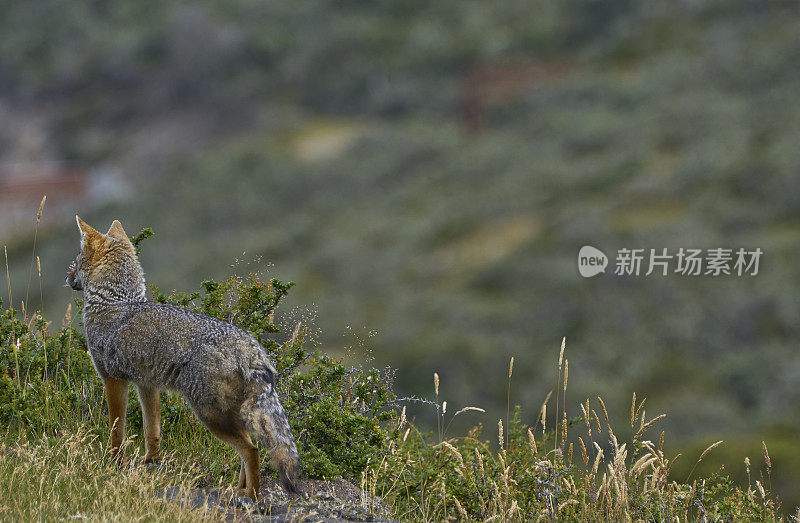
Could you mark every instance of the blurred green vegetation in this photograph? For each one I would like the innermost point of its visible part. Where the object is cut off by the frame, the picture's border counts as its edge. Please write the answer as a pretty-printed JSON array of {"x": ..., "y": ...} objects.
[{"x": 332, "y": 140}]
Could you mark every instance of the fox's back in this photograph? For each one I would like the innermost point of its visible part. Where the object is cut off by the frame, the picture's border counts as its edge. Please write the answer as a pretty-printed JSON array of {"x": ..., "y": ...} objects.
[{"x": 175, "y": 348}]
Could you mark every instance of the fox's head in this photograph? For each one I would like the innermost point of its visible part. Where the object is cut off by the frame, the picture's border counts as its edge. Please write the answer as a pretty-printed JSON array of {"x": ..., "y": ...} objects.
[{"x": 106, "y": 263}]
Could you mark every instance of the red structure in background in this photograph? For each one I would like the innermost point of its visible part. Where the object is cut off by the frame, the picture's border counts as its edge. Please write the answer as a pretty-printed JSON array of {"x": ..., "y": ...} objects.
[
  {"x": 501, "y": 82},
  {"x": 23, "y": 185}
]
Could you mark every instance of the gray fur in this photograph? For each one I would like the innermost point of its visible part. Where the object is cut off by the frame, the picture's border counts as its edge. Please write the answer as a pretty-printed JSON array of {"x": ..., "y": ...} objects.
[{"x": 221, "y": 369}]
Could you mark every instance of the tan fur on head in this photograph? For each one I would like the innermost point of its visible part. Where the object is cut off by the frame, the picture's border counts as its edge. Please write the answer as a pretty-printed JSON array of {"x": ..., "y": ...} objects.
[
  {"x": 86, "y": 229},
  {"x": 116, "y": 231},
  {"x": 92, "y": 241}
]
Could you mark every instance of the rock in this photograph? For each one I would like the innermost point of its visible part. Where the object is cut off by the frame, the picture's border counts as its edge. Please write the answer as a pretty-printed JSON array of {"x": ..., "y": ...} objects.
[{"x": 337, "y": 500}]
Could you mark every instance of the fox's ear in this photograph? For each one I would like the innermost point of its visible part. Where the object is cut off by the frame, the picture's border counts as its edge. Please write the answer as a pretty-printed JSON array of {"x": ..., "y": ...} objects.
[
  {"x": 116, "y": 231},
  {"x": 85, "y": 228},
  {"x": 89, "y": 236}
]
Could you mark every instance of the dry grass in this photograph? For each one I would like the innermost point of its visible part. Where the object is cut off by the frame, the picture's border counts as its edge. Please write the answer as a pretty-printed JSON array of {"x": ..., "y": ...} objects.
[
  {"x": 532, "y": 475},
  {"x": 73, "y": 477}
]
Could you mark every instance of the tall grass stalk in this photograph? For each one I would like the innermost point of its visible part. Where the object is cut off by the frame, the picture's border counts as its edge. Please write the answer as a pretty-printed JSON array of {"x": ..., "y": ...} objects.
[
  {"x": 8, "y": 279},
  {"x": 508, "y": 398},
  {"x": 558, "y": 392},
  {"x": 34, "y": 257}
]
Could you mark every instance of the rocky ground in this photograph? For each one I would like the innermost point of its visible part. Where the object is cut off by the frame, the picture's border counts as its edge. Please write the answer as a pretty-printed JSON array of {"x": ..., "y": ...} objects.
[{"x": 337, "y": 500}]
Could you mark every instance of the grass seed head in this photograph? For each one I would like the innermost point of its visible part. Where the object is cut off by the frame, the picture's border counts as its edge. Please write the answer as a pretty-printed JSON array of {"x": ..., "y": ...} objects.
[
  {"x": 461, "y": 511},
  {"x": 640, "y": 407},
  {"x": 597, "y": 421},
  {"x": 544, "y": 417},
  {"x": 584, "y": 454},
  {"x": 532, "y": 441},
  {"x": 41, "y": 208},
  {"x": 500, "y": 432},
  {"x": 603, "y": 406},
  {"x": 649, "y": 424},
  {"x": 467, "y": 409},
  {"x": 709, "y": 449}
]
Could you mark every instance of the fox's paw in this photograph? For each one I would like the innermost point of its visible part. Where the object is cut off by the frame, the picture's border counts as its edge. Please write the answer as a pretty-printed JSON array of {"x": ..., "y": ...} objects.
[{"x": 152, "y": 459}]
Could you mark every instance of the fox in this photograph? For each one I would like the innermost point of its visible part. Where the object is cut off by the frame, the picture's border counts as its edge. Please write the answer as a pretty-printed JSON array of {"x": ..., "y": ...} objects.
[{"x": 220, "y": 369}]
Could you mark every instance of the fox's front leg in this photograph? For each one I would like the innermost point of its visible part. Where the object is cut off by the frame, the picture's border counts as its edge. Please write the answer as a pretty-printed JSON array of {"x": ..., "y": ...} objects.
[
  {"x": 150, "y": 399},
  {"x": 117, "y": 400}
]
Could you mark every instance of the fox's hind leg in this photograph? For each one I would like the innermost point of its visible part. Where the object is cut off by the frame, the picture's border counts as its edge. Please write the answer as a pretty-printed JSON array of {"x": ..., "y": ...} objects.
[
  {"x": 150, "y": 400},
  {"x": 239, "y": 439},
  {"x": 117, "y": 400},
  {"x": 242, "y": 476}
]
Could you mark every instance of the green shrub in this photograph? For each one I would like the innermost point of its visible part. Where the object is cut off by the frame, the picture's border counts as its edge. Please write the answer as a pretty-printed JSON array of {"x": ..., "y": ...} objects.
[
  {"x": 43, "y": 375},
  {"x": 335, "y": 412}
]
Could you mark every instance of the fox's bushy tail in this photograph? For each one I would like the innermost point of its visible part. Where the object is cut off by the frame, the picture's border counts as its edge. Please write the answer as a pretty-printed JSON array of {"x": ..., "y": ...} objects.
[{"x": 267, "y": 420}]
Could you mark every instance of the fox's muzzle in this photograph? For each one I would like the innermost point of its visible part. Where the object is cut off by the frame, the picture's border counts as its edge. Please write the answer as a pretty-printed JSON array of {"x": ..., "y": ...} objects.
[{"x": 73, "y": 281}]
